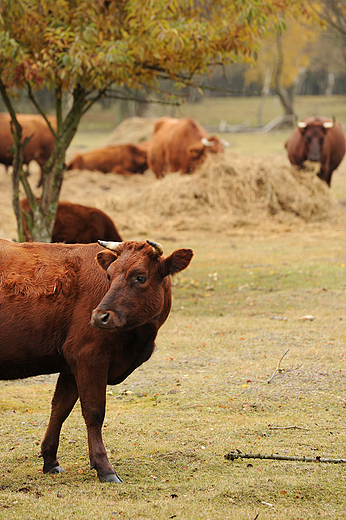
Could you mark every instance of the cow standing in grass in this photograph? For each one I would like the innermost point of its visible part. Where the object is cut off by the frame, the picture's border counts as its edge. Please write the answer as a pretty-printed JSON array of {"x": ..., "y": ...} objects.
[
  {"x": 92, "y": 314},
  {"x": 317, "y": 139},
  {"x": 40, "y": 145}
]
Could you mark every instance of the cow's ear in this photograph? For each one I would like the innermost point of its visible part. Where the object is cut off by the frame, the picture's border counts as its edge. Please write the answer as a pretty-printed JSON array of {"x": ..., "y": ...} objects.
[
  {"x": 195, "y": 150},
  {"x": 177, "y": 261},
  {"x": 105, "y": 258}
]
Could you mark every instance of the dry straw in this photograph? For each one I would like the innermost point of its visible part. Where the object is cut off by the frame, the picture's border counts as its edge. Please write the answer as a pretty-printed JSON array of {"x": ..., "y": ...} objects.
[{"x": 222, "y": 194}]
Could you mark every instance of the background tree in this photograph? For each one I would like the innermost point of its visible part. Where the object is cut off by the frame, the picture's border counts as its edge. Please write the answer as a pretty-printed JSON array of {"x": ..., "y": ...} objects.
[
  {"x": 283, "y": 60},
  {"x": 83, "y": 50},
  {"x": 333, "y": 14}
]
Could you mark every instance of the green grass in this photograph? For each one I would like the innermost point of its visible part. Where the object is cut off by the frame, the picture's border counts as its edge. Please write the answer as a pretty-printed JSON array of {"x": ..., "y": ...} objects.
[
  {"x": 236, "y": 311},
  {"x": 97, "y": 124},
  {"x": 235, "y": 110}
]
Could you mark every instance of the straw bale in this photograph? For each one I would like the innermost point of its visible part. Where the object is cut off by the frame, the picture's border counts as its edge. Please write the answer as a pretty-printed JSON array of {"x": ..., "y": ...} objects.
[
  {"x": 132, "y": 130},
  {"x": 223, "y": 194}
]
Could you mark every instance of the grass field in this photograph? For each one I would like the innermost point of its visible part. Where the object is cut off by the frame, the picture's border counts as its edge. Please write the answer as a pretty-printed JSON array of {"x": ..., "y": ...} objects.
[
  {"x": 250, "y": 301},
  {"x": 238, "y": 110}
]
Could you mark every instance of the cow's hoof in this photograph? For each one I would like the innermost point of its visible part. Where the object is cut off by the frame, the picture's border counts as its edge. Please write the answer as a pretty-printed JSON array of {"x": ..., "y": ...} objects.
[
  {"x": 112, "y": 477},
  {"x": 55, "y": 470}
]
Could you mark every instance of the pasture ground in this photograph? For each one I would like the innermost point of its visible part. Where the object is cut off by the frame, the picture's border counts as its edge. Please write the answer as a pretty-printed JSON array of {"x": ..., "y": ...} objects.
[{"x": 249, "y": 296}]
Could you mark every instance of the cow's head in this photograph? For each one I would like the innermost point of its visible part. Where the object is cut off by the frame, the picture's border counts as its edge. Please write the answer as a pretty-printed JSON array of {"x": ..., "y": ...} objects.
[
  {"x": 139, "y": 284},
  {"x": 314, "y": 133},
  {"x": 212, "y": 144}
]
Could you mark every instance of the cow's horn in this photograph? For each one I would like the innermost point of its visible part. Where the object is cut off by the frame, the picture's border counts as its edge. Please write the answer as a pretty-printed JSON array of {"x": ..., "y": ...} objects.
[
  {"x": 328, "y": 124},
  {"x": 109, "y": 245},
  {"x": 224, "y": 143},
  {"x": 205, "y": 141},
  {"x": 156, "y": 247},
  {"x": 301, "y": 124}
]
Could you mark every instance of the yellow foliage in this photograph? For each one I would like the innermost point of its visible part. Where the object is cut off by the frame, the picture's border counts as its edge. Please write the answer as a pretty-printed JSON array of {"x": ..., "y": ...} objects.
[
  {"x": 62, "y": 43},
  {"x": 297, "y": 44}
]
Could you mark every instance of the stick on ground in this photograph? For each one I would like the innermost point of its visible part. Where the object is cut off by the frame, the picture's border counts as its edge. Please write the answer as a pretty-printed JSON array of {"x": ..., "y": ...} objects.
[{"x": 238, "y": 455}]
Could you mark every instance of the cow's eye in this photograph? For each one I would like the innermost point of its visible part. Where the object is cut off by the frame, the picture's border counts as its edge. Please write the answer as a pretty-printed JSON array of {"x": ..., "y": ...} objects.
[{"x": 140, "y": 279}]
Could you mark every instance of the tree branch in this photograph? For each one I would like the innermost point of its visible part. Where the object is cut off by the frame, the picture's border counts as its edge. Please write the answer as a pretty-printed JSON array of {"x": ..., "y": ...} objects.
[
  {"x": 238, "y": 455},
  {"x": 38, "y": 108}
]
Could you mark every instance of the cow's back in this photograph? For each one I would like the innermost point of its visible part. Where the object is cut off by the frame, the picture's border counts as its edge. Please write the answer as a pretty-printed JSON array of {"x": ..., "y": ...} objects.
[
  {"x": 41, "y": 140},
  {"x": 159, "y": 144},
  {"x": 123, "y": 158},
  {"x": 75, "y": 224},
  {"x": 82, "y": 224},
  {"x": 47, "y": 292},
  {"x": 186, "y": 133}
]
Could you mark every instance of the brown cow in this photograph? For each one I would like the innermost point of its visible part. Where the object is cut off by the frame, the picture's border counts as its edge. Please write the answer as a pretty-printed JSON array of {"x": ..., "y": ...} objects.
[
  {"x": 180, "y": 145},
  {"x": 77, "y": 224},
  {"x": 39, "y": 147},
  {"x": 125, "y": 159},
  {"x": 317, "y": 139},
  {"x": 48, "y": 293}
]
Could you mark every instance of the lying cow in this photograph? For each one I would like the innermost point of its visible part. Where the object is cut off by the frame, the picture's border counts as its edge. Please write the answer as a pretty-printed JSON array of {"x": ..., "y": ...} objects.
[
  {"x": 76, "y": 224},
  {"x": 317, "y": 139},
  {"x": 40, "y": 145},
  {"x": 91, "y": 314},
  {"x": 180, "y": 145},
  {"x": 125, "y": 159}
]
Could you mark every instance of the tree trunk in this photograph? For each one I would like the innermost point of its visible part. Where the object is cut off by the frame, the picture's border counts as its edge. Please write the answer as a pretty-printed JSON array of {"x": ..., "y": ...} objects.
[
  {"x": 285, "y": 98},
  {"x": 18, "y": 157},
  {"x": 40, "y": 221}
]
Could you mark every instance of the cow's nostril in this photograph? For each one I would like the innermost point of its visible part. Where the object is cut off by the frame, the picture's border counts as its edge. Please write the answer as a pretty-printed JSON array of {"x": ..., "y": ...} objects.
[{"x": 105, "y": 318}]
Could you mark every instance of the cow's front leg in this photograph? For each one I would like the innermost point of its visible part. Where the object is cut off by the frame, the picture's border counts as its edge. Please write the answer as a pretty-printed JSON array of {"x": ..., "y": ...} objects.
[
  {"x": 92, "y": 393},
  {"x": 64, "y": 399}
]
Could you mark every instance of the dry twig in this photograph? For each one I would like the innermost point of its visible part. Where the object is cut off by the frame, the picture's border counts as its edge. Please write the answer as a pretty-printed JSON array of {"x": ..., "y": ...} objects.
[
  {"x": 286, "y": 427},
  {"x": 238, "y": 455},
  {"x": 278, "y": 369}
]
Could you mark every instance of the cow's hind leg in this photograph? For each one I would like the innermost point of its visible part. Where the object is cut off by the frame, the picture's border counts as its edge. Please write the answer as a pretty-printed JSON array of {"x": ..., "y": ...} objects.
[{"x": 64, "y": 399}]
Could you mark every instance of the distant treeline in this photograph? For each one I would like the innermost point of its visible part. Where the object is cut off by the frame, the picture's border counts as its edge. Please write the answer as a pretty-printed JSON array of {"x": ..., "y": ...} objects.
[{"x": 232, "y": 84}]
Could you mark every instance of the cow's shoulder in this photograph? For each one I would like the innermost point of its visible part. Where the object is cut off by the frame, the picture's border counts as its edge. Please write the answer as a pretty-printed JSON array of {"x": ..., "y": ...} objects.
[{"x": 36, "y": 270}]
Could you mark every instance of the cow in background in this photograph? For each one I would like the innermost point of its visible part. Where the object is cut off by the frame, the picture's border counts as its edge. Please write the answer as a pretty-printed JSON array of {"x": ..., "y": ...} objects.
[
  {"x": 317, "y": 139},
  {"x": 40, "y": 145},
  {"x": 76, "y": 224},
  {"x": 124, "y": 159},
  {"x": 88, "y": 313},
  {"x": 180, "y": 145}
]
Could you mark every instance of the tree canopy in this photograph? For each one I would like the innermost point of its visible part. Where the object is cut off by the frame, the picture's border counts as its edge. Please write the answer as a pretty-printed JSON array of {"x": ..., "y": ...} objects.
[{"x": 89, "y": 49}]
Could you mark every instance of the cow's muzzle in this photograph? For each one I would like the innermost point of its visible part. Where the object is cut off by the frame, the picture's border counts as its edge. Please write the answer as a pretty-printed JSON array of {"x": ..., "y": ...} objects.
[
  {"x": 106, "y": 320},
  {"x": 314, "y": 158}
]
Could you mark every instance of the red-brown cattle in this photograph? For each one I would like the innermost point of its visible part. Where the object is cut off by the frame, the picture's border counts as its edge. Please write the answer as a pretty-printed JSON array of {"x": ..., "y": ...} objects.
[
  {"x": 40, "y": 145},
  {"x": 88, "y": 313},
  {"x": 317, "y": 139},
  {"x": 180, "y": 145},
  {"x": 76, "y": 224},
  {"x": 125, "y": 159}
]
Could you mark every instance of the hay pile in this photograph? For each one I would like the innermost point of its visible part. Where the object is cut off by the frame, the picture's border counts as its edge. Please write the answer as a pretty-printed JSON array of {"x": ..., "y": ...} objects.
[
  {"x": 132, "y": 130},
  {"x": 222, "y": 194}
]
